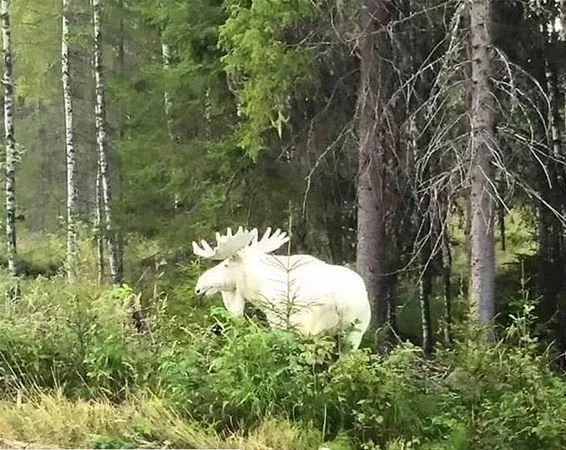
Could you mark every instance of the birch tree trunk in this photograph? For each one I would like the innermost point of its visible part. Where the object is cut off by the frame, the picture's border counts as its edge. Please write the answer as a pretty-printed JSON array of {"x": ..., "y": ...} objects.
[
  {"x": 70, "y": 148},
  {"x": 10, "y": 169},
  {"x": 99, "y": 225},
  {"x": 166, "y": 55},
  {"x": 102, "y": 144},
  {"x": 562, "y": 17},
  {"x": 482, "y": 204}
]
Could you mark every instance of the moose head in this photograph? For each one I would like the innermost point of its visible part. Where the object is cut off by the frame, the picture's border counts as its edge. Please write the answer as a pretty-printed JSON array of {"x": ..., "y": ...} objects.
[{"x": 238, "y": 253}]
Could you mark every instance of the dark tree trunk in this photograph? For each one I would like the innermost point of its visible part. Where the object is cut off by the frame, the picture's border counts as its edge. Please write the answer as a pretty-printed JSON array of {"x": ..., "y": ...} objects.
[
  {"x": 482, "y": 202},
  {"x": 425, "y": 275},
  {"x": 447, "y": 290},
  {"x": 333, "y": 225},
  {"x": 425, "y": 291},
  {"x": 119, "y": 173},
  {"x": 550, "y": 228},
  {"x": 372, "y": 158}
]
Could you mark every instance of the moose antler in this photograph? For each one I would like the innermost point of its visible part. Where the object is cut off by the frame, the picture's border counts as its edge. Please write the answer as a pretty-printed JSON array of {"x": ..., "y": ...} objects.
[
  {"x": 267, "y": 243},
  {"x": 226, "y": 245}
]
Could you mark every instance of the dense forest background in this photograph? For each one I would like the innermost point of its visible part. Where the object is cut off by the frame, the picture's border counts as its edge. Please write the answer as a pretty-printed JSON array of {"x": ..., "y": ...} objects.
[{"x": 418, "y": 142}]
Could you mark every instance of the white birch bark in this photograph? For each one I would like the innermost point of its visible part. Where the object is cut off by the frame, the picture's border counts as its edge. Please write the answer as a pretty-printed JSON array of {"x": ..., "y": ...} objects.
[
  {"x": 166, "y": 55},
  {"x": 102, "y": 144},
  {"x": 99, "y": 225},
  {"x": 551, "y": 75},
  {"x": 70, "y": 148},
  {"x": 562, "y": 19},
  {"x": 10, "y": 169},
  {"x": 482, "y": 244}
]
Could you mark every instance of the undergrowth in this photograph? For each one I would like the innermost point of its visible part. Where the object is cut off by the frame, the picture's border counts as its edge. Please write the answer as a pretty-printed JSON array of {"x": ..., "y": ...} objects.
[{"x": 77, "y": 351}]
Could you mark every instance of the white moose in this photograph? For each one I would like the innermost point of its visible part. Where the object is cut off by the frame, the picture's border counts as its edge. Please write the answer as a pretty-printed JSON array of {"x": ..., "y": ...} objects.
[{"x": 299, "y": 291}]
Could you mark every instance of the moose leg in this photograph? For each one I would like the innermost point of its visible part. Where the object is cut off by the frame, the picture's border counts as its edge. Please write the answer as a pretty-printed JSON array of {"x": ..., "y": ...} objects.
[
  {"x": 354, "y": 339},
  {"x": 234, "y": 303}
]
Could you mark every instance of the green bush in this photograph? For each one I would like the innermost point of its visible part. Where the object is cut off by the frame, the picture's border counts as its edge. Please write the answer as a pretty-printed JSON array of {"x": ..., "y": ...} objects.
[{"x": 82, "y": 341}]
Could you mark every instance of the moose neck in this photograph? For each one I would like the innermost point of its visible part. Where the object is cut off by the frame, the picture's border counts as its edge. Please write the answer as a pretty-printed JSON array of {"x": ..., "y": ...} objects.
[{"x": 264, "y": 277}]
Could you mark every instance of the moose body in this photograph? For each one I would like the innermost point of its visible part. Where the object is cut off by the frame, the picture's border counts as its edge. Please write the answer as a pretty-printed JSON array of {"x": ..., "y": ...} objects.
[{"x": 299, "y": 292}]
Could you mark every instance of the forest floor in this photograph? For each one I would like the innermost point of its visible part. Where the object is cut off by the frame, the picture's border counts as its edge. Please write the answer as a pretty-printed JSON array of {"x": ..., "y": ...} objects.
[{"x": 10, "y": 444}]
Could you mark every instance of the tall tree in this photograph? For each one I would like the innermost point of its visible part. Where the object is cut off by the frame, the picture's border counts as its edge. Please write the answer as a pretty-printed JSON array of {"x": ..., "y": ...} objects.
[
  {"x": 120, "y": 54},
  {"x": 372, "y": 156},
  {"x": 70, "y": 148},
  {"x": 484, "y": 144},
  {"x": 102, "y": 144},
  {"x": 11, "y": 156}
]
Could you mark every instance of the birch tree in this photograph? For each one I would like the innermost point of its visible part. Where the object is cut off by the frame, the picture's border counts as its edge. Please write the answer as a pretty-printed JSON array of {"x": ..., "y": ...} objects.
[
  {"x": 10, "y": 163},
  {"x": 482, "y": 204},
  {"x": 102, "y": 145},
  {"x": 168, "y": 106},
  {"x": 70, "y": 148},
  {"x": 99, "y": 224}
]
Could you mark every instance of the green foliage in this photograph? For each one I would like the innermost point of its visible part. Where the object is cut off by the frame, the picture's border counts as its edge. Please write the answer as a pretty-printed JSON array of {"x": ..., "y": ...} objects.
[
  {"x": 83, "y": 342},
  {"x": 268, "y": 66},
  {"x": 500, "y": 395},
  {"x": 240, "y": 72}
]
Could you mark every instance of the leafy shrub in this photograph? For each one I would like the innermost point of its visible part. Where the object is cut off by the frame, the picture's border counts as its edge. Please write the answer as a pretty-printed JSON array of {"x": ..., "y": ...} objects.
[{"x": 81, "y": 340}]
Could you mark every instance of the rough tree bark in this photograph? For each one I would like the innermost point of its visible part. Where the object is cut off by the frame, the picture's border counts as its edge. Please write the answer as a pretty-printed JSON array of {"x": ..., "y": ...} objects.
[
  {"x": 102, "y": 144},
  {"x": 70, "y": 148},
  {"x": 10, "y": 166},
  {"x": 370, "y": 251},
  {"x": 482, "y": 203},
  {"x": 551, "y": 243},
  {"x": 550, "y": 228},
  {"x": 120, "y": 68}
]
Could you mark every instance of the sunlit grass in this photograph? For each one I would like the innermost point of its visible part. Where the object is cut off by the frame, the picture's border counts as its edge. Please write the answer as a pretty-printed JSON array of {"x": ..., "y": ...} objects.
[{"x": 51, "y": 420}]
